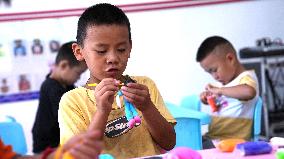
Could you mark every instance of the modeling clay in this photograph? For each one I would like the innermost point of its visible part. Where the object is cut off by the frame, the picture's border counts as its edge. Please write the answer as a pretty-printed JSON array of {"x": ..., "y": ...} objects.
[
  {"x": 280, "y": 153},
  {"x": 228, "y": 145},
  {"x": 182, "y": 153},
  {"x": 254, "y": 148},
  {"x": 212, "y": 103}
]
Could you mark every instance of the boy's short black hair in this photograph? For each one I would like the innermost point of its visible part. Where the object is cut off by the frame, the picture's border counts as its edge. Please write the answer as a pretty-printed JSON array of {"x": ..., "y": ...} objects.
[
  {"x": 65, "y": 52},
  {"x": 100, "y": 14},
  {"x": 209, "y": 44}
]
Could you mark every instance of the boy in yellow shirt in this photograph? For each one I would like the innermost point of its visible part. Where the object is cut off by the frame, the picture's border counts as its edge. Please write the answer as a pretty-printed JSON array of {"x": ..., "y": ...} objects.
[{"x": 104, "y": 42}]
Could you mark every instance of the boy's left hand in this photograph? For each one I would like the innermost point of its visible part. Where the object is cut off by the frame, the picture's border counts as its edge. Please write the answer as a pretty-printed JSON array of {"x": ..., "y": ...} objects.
[{"x": 138, "y": 95}]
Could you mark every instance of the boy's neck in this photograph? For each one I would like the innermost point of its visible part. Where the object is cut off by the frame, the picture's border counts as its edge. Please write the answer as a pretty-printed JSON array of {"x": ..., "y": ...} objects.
[
  {"x": 55, "y": 76},
  {"x": 240, "y": 69}
]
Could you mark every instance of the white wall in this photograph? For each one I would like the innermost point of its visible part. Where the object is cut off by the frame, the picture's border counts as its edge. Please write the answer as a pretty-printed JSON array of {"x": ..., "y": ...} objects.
[{"x": 165, "y": 43}]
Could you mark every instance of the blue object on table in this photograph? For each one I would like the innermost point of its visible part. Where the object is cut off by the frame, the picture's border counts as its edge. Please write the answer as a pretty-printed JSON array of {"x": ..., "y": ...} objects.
[
  {"x": 257, "y": 119},
  {"x": 105, "y": 156},
  {"x": 188, "y": 127},
  {"x": 12, "y": 133},
  {"x": 254, "y": 148}
]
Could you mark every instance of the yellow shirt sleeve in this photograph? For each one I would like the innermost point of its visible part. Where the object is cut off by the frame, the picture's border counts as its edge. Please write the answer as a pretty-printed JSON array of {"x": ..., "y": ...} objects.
[{"x": 249, "y": 81}]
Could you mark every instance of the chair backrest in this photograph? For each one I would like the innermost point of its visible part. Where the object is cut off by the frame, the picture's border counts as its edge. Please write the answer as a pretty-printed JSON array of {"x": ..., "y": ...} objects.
[
  {"x": 11, "y": 133},
  {"x": 191, "y": 102},
  {"x": 188, "y": 127},
  {"x": 257, "y": 119}
]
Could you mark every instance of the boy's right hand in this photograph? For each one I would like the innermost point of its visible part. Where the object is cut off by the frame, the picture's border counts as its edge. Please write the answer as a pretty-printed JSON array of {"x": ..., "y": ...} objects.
[
  {"x": 87, "y": 145},
  {"x": 203, "y": 97},
  {"x": 104, "y": 94}
]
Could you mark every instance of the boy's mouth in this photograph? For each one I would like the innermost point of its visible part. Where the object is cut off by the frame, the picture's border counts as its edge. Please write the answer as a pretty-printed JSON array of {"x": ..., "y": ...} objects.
[
  {"x": 223, "y": 82},
  {"x": 112, "y": 72}
]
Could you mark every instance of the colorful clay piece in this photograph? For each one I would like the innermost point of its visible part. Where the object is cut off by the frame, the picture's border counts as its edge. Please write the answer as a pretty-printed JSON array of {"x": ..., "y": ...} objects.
[
  {"x": 228, "y": 145},
  {"x": 131, "y": 114},
  {"x": 277, "y": 141},
  {"x": 280, "y": 153},
  {"x": 254, "y": 148},
  {"x": 212, "y": 103},
  {"x": 182, "y": 153}
]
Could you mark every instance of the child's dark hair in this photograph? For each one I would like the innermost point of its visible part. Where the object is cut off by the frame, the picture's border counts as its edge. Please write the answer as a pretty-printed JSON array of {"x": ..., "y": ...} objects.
[
  {"x": 100, "y": 14},
  {"x": 209, "y": 44},
  {"x": 66, "y": 53}
]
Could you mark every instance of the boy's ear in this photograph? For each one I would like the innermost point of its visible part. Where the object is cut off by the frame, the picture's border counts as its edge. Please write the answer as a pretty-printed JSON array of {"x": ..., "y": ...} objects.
[
  {"x": 230, "y": 56},
  {"x": 63, "y": 64},
  {"x": 77, "y": 52}
]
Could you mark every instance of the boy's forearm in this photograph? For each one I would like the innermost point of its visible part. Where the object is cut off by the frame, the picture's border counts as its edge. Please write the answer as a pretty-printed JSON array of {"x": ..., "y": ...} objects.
[
  {"x": 98, "y": 122},
  {"x": 241, "y": 92},
  {"x": 161, "y": 130}
]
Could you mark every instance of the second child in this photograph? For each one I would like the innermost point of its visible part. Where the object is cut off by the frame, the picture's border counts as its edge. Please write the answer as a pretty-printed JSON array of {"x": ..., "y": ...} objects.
[
  {"x": 66, "y": 72},
  {"x": 236, "y": 91}
]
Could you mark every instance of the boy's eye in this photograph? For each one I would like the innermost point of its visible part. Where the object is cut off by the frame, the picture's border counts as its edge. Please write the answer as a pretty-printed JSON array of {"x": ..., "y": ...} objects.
[
  {"x": 212, "y": 70},
  {"x": 101, "y": 51},
  {"x": 121, "y": 50}
]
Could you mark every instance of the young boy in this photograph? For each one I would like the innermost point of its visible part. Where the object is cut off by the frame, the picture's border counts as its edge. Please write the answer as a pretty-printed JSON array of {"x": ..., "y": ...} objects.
[
  {"x": 66, "y": 72},
  {"x": 104, "y": 42},
  {"x": 237, "y": 91}
]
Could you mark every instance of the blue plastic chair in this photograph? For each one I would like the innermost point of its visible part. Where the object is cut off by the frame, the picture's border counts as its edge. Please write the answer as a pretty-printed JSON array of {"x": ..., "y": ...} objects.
[
  {"x": 188, "y": 127},
  {"x": 11, "y": 133},
  {"x": 257, "y": 119},
  {"x": 191, "y": 102}
]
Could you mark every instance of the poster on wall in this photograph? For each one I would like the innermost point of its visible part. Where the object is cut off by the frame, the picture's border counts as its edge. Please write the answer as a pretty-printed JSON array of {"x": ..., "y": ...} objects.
[
  {"x": 24, "y": 65},
  {"x": 27, "y": 54}
]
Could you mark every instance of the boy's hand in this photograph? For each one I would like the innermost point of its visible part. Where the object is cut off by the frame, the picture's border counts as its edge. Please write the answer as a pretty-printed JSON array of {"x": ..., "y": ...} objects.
[
  {"x": 215, "y": 91},
  {"x": 203, "y": 97},
  {"x": 87, "y": 145},
  {"x": 138, "y": 95},
  {"x": 104, "y": 94}
]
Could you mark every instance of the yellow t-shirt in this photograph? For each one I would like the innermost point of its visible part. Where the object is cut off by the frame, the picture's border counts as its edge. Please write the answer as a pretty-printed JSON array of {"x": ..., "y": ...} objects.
[{"x": 76, "y": 110}]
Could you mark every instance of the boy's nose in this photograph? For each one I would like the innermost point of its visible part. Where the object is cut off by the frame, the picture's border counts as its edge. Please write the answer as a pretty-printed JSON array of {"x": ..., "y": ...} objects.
[
  {"x": 215, "y": 76},
  {"x": 112, "y": 58}
]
